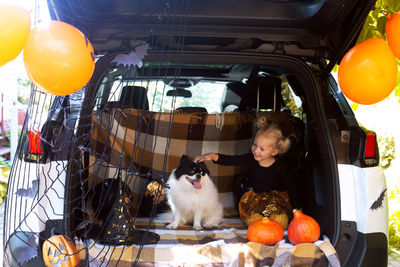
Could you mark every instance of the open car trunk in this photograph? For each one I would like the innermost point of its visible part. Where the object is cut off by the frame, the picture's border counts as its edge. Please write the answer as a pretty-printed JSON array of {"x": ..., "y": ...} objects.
[
  {"x": 136, "y": 130},
  {"x": 174, "y": 78}
]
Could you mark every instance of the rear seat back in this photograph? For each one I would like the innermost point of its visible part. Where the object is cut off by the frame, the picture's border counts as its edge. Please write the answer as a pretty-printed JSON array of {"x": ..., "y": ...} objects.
[{"x": 152, "y": 143}]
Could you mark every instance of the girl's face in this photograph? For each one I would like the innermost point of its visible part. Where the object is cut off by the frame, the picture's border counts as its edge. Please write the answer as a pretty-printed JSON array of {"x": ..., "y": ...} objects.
[{"x": 264, "y": 148}]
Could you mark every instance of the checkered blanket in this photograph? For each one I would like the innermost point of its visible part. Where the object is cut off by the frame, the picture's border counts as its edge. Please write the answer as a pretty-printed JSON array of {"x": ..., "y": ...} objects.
[
  {"x": 226, "y": 246},
  {"x": 153, "y": 143}
]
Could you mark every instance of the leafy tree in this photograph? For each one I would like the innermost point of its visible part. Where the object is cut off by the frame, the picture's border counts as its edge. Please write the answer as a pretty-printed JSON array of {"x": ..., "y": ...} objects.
[
  {"x": 375, "y": 26},
  {"x": 24, "y": 90}
]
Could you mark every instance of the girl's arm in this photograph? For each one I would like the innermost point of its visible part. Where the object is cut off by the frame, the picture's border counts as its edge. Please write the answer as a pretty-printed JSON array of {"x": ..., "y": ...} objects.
[
  {"x": 225, "y": 159},
  {"x": 234, "y": 160},
  {"x": 207, "y": 157}
]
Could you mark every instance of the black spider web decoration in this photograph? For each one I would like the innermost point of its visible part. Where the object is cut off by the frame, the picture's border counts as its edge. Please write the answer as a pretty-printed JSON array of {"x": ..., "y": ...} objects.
[{"x": 52, "y": 186}]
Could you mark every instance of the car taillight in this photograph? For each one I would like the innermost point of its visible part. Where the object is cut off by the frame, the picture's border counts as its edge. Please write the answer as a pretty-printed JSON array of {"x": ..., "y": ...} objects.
[
  {"x": 370, "y": 145},
  {"x": 34, "y": 143},
  {"x": 32, "y": 149},
  {"x": 371, "y": 152}
]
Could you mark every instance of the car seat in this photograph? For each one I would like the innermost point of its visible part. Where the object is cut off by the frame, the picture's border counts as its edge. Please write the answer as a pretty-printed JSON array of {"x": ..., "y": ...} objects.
[{"x": 134, "y": 97}]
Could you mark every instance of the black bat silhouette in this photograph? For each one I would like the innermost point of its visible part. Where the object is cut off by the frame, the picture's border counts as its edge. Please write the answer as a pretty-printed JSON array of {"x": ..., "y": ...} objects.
[
  {"x": 379, "y": 202},
  {"x": 30, "y": 192}
]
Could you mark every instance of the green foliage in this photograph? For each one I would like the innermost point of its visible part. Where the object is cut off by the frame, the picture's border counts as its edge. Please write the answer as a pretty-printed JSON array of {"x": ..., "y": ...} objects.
[
  {"x": 24, "y": 90},
  {"x": 375, "y": 26},
  {"x": 394, "y": 231},
  {"x": 4, "y": 174},
  {"x": 394, "y": 220},
  {"x": 354, "y": 106},
  {"x": 386, "y": 149}
]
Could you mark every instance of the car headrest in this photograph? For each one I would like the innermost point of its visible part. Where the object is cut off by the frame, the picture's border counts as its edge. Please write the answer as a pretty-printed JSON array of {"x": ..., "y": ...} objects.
[
  {"x": 192, "y": 109},
  {"x": 266, "y": 94},
  {"x": 134, "y": 97}
]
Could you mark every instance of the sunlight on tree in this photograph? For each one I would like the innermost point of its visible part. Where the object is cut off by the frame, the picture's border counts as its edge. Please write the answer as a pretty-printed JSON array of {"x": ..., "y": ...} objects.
[{"x": 380, "y": 117}]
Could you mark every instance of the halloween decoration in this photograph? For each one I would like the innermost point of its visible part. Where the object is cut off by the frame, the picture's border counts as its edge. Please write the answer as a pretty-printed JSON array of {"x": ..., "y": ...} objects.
[
  {"x": 106, "y": 194},
  {"x": 29, "y": 251},
  {"x": 58, "y": 58},
  {"x": 378, "y": 203},
  {"x": 112, "y": 201},
  {"x": 265, "y": 231},
  {"x": 368, "y": 72},
  {"x": 264, "y": 203},
  {"x": 393, "y": 33},
  {"x": 15, "y": 24},
  {"x": 134, "y": 58},
  {"x": 60, "y": 251},
  {"x": 155, "y": 191},
  {"x": 303, "y": 229},
  {"x": 29, "y": 192}
]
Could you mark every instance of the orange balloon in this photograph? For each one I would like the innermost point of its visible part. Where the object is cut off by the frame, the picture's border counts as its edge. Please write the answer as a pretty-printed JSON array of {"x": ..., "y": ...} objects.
[
  {"x": 368, "y": 72},
  {"x": 393, "y": 33},
  {"x": 15, "y": 24},
  {"x": 58, "y": 58}
]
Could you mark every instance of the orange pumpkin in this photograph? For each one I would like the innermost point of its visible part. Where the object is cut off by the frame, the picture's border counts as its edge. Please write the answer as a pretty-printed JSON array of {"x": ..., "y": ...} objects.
[
  {"x": 60, "y": 251},
  {"x": 265, "y": 231},
  {"x": 303, "y": 229}
]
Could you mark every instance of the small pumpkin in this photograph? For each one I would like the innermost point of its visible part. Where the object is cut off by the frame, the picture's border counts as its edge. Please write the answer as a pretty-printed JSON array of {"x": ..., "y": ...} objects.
[
  {"x": 60, "y": 251},
  {"x": 265, "y": 231},
  {"x": 303, "y": 229},
  {"x": 280, "y": 218}
]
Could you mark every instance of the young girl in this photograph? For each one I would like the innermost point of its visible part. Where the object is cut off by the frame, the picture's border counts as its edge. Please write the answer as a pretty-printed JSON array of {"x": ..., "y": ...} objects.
[{"x": 266, "y": 171}]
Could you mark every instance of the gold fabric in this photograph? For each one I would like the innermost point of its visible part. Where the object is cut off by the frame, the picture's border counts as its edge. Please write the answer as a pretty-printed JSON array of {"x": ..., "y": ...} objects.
[{"x": 273, "y": 202}]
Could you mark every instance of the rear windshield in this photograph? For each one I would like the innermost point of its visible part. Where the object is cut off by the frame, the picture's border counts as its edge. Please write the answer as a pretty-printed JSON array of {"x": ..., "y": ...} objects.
[
  {"x": 205, "y": 93},
  {"x": 199, "y": 88}
]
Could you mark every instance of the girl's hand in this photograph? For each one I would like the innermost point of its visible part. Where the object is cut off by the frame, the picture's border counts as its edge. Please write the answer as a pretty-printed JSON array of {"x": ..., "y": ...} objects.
[{"x": 206, "y": 157}]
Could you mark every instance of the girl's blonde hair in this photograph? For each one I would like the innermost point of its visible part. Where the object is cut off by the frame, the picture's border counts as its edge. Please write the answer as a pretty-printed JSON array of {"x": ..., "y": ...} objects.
[{"x": 272, "y": 129}]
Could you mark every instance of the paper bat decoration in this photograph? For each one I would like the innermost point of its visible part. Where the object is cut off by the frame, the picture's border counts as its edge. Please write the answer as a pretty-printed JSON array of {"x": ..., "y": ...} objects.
[
  {"x": 379, "y": 202},
  {"x": 30, "y": 192},
  {"x": 95, "y": 262},
  {"x": 29, "y": 252},
  {"x": 134, "y": 58}
]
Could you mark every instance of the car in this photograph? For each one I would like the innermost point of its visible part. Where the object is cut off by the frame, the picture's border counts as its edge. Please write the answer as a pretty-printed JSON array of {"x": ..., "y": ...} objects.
[{"x": 190, "y": 77}]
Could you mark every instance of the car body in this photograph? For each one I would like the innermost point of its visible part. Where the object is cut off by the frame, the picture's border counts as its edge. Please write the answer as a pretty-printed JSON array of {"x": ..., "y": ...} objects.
[{"x": 239, "y": 50}]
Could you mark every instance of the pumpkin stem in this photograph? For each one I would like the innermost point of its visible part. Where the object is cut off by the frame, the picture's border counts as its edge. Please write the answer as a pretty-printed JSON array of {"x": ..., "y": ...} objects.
[
  {"x": 297, "y": 213},
  {"x": 265, "y": 219}
]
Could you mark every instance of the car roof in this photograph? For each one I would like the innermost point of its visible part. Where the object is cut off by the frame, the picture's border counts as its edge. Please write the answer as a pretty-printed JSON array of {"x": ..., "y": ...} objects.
[{"x": 312, "y": 29}]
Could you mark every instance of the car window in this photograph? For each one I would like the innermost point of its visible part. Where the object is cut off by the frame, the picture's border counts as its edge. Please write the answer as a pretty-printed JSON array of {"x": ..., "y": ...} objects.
[{"x": 205, "y": 93}]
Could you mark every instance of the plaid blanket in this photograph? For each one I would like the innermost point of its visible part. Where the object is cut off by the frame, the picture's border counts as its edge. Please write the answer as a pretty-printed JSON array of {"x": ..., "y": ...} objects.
[
  {"x": 225, "y": 246},
  {"x": 152, "y": 143}
]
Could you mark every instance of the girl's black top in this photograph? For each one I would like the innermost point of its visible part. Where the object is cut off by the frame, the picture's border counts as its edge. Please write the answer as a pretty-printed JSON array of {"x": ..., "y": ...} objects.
[{"x": 263, "y": 179}]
